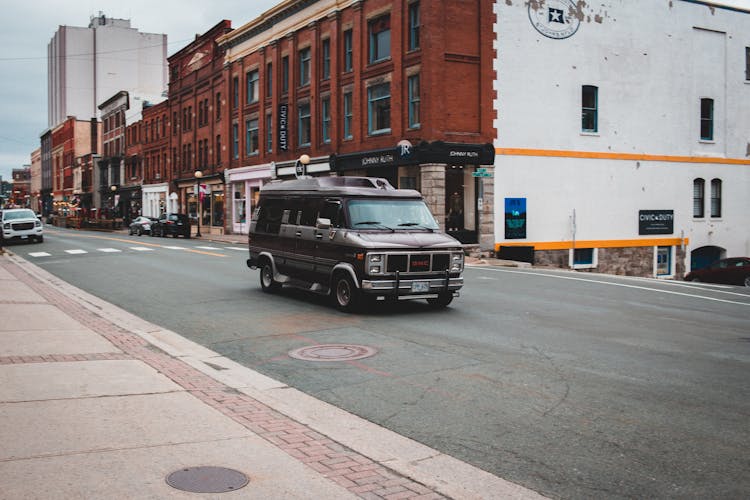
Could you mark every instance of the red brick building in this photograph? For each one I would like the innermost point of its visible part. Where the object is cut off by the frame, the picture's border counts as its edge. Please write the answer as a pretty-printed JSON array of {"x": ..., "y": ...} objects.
[
  {"x": 197, "y": 129},
  {"x": 396, "y": 89},
  {"x": 149, "y": 140}
]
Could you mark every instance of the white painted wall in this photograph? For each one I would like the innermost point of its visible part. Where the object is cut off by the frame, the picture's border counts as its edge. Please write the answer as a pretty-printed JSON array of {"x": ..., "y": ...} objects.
[{"x": 652, "y": 62}]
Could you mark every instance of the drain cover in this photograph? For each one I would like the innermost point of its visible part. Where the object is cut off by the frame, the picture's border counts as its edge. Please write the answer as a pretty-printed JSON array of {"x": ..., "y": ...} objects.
[
  {"x": 207, "y": 480},
  {"x": 332, "y": 352}
]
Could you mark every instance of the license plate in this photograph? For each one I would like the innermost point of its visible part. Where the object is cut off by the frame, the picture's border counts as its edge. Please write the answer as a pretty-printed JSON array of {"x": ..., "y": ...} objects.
[
  {"x": 420, "y": 286},
  {"x": 24, "y": 237}
]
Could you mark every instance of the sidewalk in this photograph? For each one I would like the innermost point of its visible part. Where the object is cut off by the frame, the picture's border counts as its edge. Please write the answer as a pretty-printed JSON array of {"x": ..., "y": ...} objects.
[{"x": 98, "y": 403}]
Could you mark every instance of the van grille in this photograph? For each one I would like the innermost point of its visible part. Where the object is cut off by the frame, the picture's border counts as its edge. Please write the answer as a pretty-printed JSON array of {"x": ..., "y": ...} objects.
[{"x": 417, "y": 262}]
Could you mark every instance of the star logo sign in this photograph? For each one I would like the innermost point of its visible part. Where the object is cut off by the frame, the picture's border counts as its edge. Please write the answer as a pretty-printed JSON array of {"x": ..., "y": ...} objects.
[{"x": 556, "y": 16}]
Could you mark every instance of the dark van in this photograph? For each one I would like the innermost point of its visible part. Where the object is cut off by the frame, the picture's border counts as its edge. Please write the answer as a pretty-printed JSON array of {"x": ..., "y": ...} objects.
[{"x": 353, "y": 238}]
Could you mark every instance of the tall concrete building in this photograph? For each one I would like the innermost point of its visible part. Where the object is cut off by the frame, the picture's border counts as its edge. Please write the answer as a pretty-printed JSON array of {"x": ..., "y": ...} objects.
[{"x": 87, "y": 66}]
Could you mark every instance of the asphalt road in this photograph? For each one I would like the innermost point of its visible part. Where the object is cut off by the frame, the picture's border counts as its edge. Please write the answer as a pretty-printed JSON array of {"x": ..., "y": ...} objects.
[{"x": 575, "y": 385}]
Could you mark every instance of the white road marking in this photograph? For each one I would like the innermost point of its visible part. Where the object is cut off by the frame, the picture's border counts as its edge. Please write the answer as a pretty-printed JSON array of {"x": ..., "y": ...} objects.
[
  {"x": 236, "y": 248},
  {"x": 39, "y": 254},
  {"x": 624, "y": 285},
  {"x": 109, "y": 250},
  {"x": 209, "y": 248},
  {"x": 76, "y": 252},
  {"x": 142, "y": 249},
  {"x": 174, "y": 248}
]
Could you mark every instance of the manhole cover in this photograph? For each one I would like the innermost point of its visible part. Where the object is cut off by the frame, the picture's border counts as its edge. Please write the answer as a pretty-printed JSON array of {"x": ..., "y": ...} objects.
[
  {"x": 332, "y": 352},
  {"x": 207, "y": 480}
]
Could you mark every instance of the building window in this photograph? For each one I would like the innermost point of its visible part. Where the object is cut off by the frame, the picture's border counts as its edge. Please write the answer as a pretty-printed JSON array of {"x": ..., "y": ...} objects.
[
  {"x": 747, "y": 64},
  {"x": 269, "y": 133},
  {"x": 326, "y": 59},
  {"x": 379, "y": 109},
  {"x": 716, "y": 198},
  {"x": 285, "y": 74},
  {"x": 218, "y": 106},
  {"x": 348, "y": 115},
  {"x": 413, "y": 87},
  {"x": 590, "y": 108},
  {"x": 380, "y": 38},
  {"x": 707, "y": 119},
  {"x": 251, "y": 137},
  {"x": 348, "y": 51},
  {"x": 253, "y": 92},
  {"x": 269, "y": 80},
  {"x": 235, "y": 141},
  {"x": 414, "y": 26},
  {"x": 325, "y": 111},
  {"x": 583, "y": 257},
  {"x": 304, "y": 67},
  {"x": 699, "y": 186},
  {"x": 303, "y": 111},
  {"x": 235, "y": 92},
  {"x": 217, "y": 154}
]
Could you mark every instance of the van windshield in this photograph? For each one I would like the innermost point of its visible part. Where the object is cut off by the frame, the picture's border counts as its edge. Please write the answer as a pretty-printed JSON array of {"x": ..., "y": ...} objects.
[{"x": 390, "y": 214}]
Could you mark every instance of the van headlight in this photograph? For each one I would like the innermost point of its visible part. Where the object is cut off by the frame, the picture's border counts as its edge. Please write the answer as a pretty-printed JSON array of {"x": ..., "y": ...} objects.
[
  {"x": 375, "y": 263},
  {"x": 457, "y": 262}
]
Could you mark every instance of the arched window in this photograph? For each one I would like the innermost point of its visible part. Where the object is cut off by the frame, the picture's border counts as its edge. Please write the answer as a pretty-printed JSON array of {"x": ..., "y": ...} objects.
[
  {"x": 716, "y": 198},
  {"x": 699, "y": 187}
]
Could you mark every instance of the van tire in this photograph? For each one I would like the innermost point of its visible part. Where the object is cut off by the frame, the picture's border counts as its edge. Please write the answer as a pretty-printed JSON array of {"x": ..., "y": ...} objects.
[
  {"x": 345, "y": 293},
  {"x": 441, "y": 301},
  {"x": 267, "y": 283}
]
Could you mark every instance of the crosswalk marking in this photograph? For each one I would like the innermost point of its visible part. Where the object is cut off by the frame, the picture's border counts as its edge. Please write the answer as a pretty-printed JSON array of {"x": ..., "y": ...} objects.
[
  {"x": 39, "y": 254},
  {"x": 208, "y": 248},
  {"x": 142, "y": 249},
  {"x": 174, "y": 248},
  {"x": 237, "y": 248},
  {"x": 109, "y": 250},
  {"x": 76, "y": 252}
]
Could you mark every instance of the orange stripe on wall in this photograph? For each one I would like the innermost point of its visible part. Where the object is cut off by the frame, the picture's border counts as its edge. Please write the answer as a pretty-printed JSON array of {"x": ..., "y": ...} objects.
[
  {"x": 566, "y": 245},
  {"x": 558, "y": 153}
]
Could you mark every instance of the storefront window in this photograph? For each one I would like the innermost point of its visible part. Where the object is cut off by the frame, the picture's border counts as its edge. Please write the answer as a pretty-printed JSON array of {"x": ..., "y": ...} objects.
[
  {"x": 240, "y": 203},
  {"x": 217, "y": 208}
]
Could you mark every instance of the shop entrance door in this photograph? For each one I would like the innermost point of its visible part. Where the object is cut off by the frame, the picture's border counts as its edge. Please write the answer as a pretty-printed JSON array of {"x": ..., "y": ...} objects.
[{"x": 460, "y": 204}]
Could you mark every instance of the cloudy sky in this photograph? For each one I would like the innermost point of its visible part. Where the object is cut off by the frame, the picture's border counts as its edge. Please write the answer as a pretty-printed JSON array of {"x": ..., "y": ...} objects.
[{"x": 28, "y": 26}]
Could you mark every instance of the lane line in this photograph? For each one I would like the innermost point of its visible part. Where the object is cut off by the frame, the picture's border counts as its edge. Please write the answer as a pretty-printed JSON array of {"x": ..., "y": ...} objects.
[
  {"x": 623, "y": 285},
  {"x": 122, "y": 240}
]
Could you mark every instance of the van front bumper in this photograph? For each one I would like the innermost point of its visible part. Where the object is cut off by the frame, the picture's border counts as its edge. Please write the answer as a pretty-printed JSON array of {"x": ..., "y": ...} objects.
[{"x": 412, "y": 288}]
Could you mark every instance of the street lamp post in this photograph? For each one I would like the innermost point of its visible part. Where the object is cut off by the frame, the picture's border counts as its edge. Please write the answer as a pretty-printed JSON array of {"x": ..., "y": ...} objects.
[
  {"x": 300, "y": 166},
  {"x": 198, "y": 174},
  {"x": 113, "y": 188}
]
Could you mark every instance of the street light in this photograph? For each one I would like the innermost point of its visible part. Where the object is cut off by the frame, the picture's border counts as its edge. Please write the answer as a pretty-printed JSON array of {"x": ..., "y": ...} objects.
[
  {"x": 198, "y": 174},
  {"x": 300, "y": 166}
]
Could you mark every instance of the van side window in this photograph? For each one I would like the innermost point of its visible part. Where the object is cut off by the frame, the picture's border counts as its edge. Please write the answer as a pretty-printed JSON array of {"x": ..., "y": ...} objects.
[
  {"x": 310, "y": 209},
  {"x": 269, "y": 217},
  {"x": 332, "y": 210}
]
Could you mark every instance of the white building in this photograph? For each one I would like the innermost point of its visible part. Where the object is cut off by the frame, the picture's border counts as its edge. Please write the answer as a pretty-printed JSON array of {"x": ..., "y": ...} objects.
[
  {"x": 623, "y": 133},
  {"x": 86, "y": 66}
]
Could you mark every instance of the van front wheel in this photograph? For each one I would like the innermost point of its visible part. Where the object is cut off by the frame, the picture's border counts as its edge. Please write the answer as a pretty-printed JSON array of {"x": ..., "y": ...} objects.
[
  {"x": 267, "y": 283},
  {"x": 345, "y": 293}
]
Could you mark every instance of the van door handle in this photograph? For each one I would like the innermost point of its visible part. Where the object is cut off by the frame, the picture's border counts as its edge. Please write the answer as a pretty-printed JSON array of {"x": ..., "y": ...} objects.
[{"x": 298, "y": 234}]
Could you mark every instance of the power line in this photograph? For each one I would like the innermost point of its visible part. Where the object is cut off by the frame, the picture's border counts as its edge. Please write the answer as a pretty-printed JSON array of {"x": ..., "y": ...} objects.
[{"x": 90, "y": 54}]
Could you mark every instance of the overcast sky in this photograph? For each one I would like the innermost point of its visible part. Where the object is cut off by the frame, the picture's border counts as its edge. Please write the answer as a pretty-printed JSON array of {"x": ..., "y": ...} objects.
[{"x": 28, "y": 26}]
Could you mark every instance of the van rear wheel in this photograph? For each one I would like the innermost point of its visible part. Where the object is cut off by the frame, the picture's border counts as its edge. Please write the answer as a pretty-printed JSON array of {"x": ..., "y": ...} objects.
[
  {"x": 345, "y": 293},
  {"x": 267, "y": 283}
]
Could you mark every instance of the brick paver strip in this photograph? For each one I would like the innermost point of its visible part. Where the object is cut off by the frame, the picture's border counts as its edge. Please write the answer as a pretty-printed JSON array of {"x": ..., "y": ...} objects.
[{"x": 357, "y": 473}]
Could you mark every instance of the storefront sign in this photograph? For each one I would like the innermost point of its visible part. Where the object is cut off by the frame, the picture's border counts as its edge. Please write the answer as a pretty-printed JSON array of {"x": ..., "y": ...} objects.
[
  {"x": 515, "y": 218},
  {"x": 656, "y": 222},
  {"x": 556, "y": 19},
  {"x": 283, "y": 127},
  {"x": 377, "y": 160}
]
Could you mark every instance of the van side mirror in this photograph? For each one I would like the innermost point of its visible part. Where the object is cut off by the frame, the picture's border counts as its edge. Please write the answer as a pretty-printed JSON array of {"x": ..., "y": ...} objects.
[{"x": 322, "y": 223}]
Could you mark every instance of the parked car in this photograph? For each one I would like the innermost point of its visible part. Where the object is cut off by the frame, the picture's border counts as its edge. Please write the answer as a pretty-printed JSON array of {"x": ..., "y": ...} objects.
[
  {"x": 142, "y": 224},
  {"x": 21, "y": 224},
  {"x": 732, "y": 271},
  {"x": 171, "y": 225}
]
